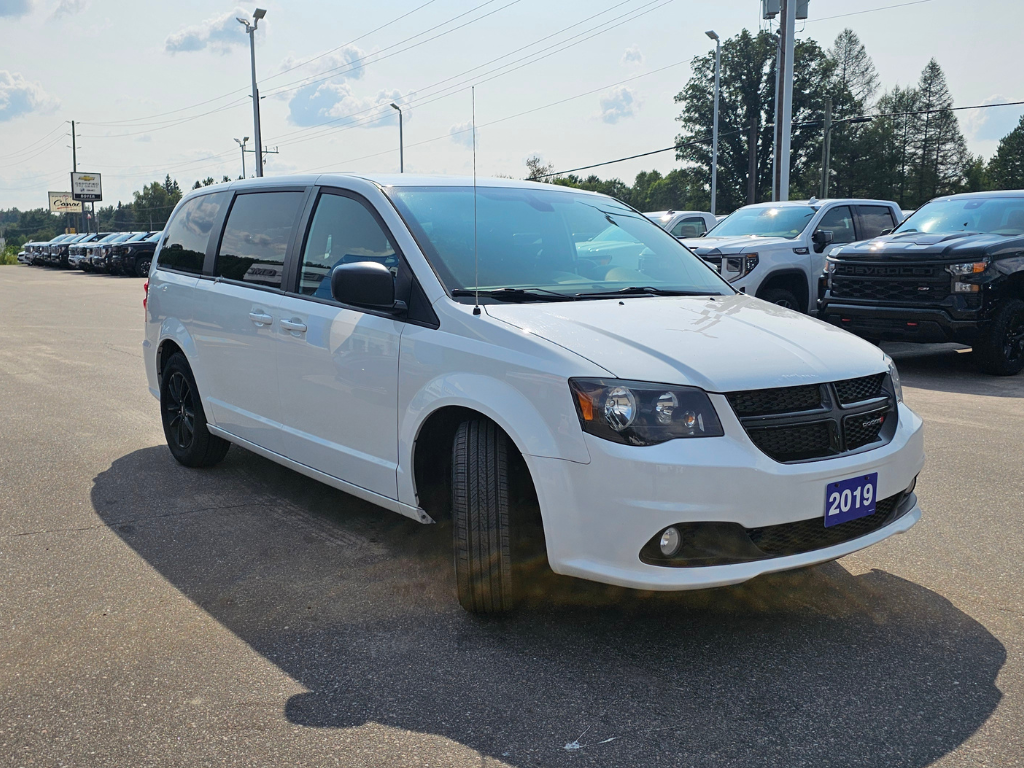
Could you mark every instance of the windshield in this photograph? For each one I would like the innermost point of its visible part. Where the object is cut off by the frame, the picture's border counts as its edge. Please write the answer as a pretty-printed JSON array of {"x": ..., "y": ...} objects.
[
  {"x": 154, "y": 237},
  {"x": 137, "y": 236},
  {"x": 990, "y": 216},
  {"x": 760, "y": 221},
  {"x": 548, "y": 241}
]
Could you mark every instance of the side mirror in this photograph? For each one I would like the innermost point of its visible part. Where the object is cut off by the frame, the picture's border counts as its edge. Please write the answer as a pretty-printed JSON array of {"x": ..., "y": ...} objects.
[
  {"x": 885, "y": 232},
  {"x": 364, "y": 284},
  {"x": 821, "y": 238}
]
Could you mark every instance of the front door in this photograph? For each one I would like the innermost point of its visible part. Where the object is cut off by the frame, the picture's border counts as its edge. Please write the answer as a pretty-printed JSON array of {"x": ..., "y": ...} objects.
[{"x": 338, "y": 365}]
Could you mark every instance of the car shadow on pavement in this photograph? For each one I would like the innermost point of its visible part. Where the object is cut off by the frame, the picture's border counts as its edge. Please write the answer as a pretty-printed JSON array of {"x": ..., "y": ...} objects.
[
  {"x": 818, "y": 667},
  {"x": 949, "y": 368}
]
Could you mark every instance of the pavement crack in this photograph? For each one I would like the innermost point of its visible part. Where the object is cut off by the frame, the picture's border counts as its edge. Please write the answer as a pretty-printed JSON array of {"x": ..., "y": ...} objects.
[{"x": 129, "y": 520}]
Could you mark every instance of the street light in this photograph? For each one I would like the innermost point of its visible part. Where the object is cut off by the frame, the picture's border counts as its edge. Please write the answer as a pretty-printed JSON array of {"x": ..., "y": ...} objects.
[
  {"x": 258, "y": 14},
  {"x": 714, "y": 131},
  {"x": 401, "y": 143},
  {"x": 242, "y": 143}
]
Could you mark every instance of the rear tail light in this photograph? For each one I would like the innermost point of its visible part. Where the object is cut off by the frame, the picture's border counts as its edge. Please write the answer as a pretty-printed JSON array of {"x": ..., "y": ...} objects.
[{"x": 145, "y": 299}]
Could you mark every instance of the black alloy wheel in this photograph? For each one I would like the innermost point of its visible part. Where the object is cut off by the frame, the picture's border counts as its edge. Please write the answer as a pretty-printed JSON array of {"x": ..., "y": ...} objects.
[
  {"x": 184, "y": 420},
  {"x": 1000, "y": 350},
  {"x": 180, "y": 411},
  {"x": 142, "y": 265},
  {"x": 782, "y": 298}
]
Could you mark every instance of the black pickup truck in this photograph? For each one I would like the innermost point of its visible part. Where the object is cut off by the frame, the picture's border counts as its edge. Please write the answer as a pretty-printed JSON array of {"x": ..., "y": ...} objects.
[{"x": 953, "y": 271}]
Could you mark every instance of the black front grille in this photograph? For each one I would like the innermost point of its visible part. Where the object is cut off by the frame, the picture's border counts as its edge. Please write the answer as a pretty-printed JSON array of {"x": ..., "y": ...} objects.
[
  {"x": 857, "y": 390},
  {"x": 799, "y": 442},
  {"x": 764, "y": 402},
  {"x": 909, "y": 283},
  {"x": 808, "y": 422},
  {"x": 809, "y": 535}
]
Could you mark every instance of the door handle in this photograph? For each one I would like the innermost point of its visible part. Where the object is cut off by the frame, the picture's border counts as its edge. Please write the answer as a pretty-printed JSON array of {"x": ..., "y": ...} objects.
[
  {"x": 260, "y": 318},
  {"x": 294, "y": 326}
]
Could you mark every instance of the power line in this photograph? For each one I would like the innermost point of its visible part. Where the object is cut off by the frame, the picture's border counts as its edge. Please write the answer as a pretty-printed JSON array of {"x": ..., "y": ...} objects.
[
  {"x": 37, "y": 141},
  {"x": 868, "y": 10}
]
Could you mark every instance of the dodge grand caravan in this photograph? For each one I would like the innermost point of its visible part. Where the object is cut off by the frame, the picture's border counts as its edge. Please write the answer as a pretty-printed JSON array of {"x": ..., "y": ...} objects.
[{"x": 523, "y": 361}]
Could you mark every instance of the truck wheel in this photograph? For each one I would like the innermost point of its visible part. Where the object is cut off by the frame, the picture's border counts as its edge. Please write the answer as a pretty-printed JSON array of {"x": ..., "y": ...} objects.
[
  {"x": 783, "y": 298},
  {"x": 1000, "y": 350},
  {"x": 183, "y": 417},
  {"x": 481, "y": 517},
  {"x": 142, "y": 266}
]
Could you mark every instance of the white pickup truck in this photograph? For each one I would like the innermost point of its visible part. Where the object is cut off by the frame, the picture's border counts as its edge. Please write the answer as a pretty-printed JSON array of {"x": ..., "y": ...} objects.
[{"x": 776, "y": 251}]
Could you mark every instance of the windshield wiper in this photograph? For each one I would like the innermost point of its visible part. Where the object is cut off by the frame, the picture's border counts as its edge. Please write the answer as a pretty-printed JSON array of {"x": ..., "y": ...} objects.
[
  {"x": 643, "y": 290},
  {"x": 514, "y": 294}
]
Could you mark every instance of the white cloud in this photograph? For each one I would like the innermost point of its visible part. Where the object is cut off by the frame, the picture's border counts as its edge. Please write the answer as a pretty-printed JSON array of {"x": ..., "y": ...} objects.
[
  {"x": 632, "y": 56},
  {"x": 619, "y": 103},
  {"x": 19, "y": 96},
  {"x": 15, "y": 8},
  {"x": 345, "y": 64},
  {"x": 218, "y": 34},
  {"x": 993, "y": 123},
  {"x": 69, "y": 8},
  {"x": 321, "y": 102},
  {"x": 462, "y": 134}
]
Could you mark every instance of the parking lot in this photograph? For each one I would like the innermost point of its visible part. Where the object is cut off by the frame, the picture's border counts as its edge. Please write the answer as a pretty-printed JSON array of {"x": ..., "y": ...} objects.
[{"x": 245, "y": 615}]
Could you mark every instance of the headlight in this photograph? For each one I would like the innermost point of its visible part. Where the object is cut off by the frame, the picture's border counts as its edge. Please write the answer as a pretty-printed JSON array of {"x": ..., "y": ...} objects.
[
  {"x": 970, "y": 268},
  {"x": 897, "y": 388},
  {"x": 735, "y": 267},
  {"x": 830, "y": 266},
  {"x": 641, "y": 413}
]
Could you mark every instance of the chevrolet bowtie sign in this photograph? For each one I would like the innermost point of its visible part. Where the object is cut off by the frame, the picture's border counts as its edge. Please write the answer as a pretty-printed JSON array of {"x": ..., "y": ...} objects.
[{"x": 86, "y": 186}]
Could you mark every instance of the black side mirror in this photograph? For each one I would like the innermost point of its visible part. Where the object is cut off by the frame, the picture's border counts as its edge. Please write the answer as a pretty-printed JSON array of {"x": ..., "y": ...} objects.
[
  {"x": 364, "y": 284},
  {"x": 885, "y": 232},
  {"x": 821, "y": 238}
]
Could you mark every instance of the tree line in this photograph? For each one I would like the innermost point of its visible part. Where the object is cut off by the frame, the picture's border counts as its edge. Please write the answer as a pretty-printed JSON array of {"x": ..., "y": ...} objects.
[{"x": 911, "y": 149}]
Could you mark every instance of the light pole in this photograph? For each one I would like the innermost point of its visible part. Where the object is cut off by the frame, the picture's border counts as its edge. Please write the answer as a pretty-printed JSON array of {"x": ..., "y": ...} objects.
[
  {"x": 258, "y": 14},
  {"x": 714, "y": 131},
  {"x": 401, "y": 142},
  {"x": 242, "y": 143}
]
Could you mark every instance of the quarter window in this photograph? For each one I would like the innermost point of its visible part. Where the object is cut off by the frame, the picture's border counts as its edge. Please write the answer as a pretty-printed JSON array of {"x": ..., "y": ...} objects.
[
  {"x": 188, "y": 234},
  {"x": 874, "y": 219},
  {"x": 343, "y": 232},
  {"x": 840, "y": 222},
  {"x": 256, "y": 238}
]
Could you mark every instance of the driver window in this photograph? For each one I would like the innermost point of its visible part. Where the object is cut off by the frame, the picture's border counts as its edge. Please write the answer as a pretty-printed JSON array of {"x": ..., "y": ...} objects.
[
  {"x": 343, "y": 232},
  {"x": 692, "y": 226},
  {"x": 840, "y": 222}
]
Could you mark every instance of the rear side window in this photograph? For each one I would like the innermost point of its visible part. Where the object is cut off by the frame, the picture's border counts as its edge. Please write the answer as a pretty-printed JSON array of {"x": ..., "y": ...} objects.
[
  {"x": 343, "y": 231},
  {"x": 874, "y": 219},
  {"x": 691, "y": 226},
  {"x": 256, "y": 238},
  {"x": 188, "y": 234}
]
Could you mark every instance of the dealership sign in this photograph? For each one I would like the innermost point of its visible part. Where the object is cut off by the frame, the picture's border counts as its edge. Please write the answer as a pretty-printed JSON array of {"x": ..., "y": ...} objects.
[
  {"x": 86, "y": 186},
  {"x": 63, "y": 202}
]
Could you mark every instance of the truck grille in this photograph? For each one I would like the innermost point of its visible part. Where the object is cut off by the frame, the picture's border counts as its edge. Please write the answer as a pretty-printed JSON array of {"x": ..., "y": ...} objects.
[
  {"x": 795, "y": 424},
  {"x": 885, "y": 283}
]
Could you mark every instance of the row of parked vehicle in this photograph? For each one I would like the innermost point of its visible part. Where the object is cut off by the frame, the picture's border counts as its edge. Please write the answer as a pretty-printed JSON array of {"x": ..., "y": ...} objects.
[{"x": 116, "y": 253}]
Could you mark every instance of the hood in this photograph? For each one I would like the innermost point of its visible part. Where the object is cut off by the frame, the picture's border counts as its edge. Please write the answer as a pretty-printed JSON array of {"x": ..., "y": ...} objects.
[
  {"x": 717, "y": 246},
  {"x": 959, "y": 246},
  {"x": 724, "y": 344}
]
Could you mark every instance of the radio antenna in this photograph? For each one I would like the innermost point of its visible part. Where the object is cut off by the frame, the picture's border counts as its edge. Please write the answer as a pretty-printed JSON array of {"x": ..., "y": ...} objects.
[{"x": 476, "y": 254}]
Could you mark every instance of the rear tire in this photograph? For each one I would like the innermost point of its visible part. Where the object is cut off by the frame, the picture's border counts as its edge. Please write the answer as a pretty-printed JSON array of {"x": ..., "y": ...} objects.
[
  {"x": 481, "y": 517},
  {"x": 184, "y": 420},
  {"x": 1000, "y": 350},
  {"x": 783, "y": 298}
]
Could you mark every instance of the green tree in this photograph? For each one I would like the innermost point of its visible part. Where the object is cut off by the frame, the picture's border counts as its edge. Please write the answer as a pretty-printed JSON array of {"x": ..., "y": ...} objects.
[
  {"x": 853, "y": 85},
  {"x": 941, "y": 158},
  {"x": 1006, "y": 169},
  {"x": 155, "y": 203}
]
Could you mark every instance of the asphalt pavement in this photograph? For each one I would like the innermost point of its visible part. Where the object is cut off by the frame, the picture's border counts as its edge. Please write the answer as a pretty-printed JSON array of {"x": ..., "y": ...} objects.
[{"x": 152, "y": 615}]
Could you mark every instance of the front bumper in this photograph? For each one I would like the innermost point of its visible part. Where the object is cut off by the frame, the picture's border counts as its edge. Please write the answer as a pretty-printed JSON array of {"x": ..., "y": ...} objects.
[
  {"x": 598, "y": 516},
  {"x": 915, "y": 324}
]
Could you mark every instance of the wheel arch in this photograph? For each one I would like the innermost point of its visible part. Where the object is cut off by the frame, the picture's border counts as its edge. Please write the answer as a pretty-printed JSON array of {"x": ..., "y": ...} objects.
[{"x": 793, "y": 280}]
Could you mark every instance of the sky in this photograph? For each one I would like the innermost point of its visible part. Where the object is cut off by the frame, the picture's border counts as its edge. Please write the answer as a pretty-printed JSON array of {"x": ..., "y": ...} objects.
[{"x": 160, "y": 88}]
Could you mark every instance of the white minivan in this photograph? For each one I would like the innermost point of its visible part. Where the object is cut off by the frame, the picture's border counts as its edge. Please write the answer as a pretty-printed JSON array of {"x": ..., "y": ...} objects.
[{"x": 533, "y": 364}]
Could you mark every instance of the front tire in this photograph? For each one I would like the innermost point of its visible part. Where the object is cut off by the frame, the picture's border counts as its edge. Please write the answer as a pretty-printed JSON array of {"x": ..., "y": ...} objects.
[
  {"x": 783, "y": 298},
  {"x": 142, "y": 266},
  {"x": 481, "y": 512},
  {"x": 1000, "y": 350},
  {"x": 184, "y": 420}
]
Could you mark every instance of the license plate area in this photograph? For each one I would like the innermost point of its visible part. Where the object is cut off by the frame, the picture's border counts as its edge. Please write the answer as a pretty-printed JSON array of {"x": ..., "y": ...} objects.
[{"x": 850, "y": 499}]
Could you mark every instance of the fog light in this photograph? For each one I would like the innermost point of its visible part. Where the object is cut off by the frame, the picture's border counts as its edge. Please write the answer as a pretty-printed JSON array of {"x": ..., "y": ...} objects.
[
  {"x": 966, "y": 288},
  {"x": 669, "y": 543}
]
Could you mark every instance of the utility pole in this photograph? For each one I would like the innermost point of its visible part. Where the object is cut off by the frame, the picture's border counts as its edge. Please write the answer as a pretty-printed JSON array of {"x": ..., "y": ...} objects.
[
  {"x": 242, "y": 144},
  {"x": 263, "y": 155},
  {"x": 826, "y": 147},
  {"x": 258, "y": 14},
  {"x": 785, "y": 123},
  {"x": 775, "y": 120},
  {"x": 752, "y": 162},
  {"x": 714, "y": 130},
  {"x": 401, "y": 140}
]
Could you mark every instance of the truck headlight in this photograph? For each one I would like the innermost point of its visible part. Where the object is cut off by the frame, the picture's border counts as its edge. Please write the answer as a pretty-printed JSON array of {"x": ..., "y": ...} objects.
[
  {"x": 735, "y": 267},
  {"x": 968, "y": 268},
  {"x": 897, "y": 387},
  {"x": 643, "y": 413}
]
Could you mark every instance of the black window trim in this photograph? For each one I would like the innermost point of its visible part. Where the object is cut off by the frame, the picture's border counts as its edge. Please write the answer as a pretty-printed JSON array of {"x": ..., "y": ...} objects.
[
  {"x": 213, "y": 247},
  {"x": 297, "y": 249}
]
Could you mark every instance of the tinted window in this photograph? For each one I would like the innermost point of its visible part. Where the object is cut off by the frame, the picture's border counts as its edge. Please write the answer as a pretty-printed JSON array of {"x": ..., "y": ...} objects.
[
  {"x": 874, "y": 219},
  {"x": 992, "y": 215},
  {"x": 839, "y": 222},
  {"x": 188, "y": 234},
  {"x": 343, "y": 231},
  {"x": 691, "y": 226},
  {"x": 256, "y": 238}
]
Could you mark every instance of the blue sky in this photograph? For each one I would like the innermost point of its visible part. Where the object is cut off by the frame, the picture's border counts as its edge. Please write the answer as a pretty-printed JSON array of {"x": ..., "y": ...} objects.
[{"x": 159, "y": 87}]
